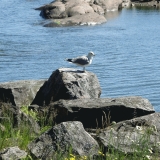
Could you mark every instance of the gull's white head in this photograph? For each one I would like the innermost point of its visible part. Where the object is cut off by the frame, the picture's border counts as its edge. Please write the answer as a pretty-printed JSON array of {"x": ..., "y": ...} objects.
[{"x": 91, "y": 54}]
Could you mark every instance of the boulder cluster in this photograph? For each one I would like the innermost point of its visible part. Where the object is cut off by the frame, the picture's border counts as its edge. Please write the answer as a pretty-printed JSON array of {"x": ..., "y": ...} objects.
[
  {"x": 70, "y": 102},
  {"x": 86, "y": 12},
  {"x": 78, "y": 12}
]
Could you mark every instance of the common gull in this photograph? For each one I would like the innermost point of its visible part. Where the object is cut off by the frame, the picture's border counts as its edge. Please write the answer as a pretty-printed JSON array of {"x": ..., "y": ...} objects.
[{"x": 82, "y": 61}]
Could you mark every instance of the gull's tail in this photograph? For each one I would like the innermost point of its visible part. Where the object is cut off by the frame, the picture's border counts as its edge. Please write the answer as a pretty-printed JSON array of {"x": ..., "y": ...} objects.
[{"x": 69, "y": 60}]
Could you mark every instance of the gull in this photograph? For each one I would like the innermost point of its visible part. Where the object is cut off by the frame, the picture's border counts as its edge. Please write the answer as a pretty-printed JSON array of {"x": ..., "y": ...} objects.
[{"x": 82, "y": 61}]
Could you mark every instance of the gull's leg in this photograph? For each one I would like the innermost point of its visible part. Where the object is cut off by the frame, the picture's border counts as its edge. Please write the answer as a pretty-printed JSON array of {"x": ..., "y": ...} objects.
[{"x": 84, "y": 69}]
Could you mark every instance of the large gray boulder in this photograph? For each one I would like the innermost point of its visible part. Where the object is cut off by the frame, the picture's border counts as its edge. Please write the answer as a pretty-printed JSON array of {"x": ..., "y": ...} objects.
[
  {"x": 19, "y": 93},
  {"x": 79, "y": 9},
  {"x": 62, "y": 138},
  {"x": 99, "y": 112},
  {"x": 13, "y": 153},
  {"x": 109, "y": 5},
  {"x": 139, "y": 135},
  {"x": 67, "y": 83},
  {"x": 78, "y": 12}
]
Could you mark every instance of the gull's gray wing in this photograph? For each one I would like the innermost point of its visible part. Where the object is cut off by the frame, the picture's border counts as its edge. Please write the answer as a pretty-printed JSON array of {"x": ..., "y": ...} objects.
[{"x": 81, "y": 60}]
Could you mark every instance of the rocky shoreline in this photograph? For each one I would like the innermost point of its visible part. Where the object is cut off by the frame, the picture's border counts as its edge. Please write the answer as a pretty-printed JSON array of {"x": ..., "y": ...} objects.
[
  {"x": 70, "y": 101},
  {"x": 86, "y": 12}
]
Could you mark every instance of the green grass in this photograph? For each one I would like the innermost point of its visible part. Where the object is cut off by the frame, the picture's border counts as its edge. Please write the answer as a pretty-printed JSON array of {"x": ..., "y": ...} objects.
[
  {"x": 18, "y": 136},
  {"x": 11, "y": 136},
  {"x": 23, "y": 135}
]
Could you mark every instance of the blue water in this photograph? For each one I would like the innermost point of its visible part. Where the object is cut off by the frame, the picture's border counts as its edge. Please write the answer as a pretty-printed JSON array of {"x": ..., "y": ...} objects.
[{"x": 127, "y": 48}]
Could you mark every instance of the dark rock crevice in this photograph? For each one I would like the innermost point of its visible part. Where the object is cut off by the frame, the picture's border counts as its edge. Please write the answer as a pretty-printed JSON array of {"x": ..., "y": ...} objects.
[{"x": 6, "y": 96}]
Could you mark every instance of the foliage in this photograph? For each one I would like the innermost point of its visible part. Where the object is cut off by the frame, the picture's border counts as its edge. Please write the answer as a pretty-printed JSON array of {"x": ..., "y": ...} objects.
[
  {"x": 22, "y": 136},
  {"x": 29, "y": 112},
  {"x": 11, "y": 136}
]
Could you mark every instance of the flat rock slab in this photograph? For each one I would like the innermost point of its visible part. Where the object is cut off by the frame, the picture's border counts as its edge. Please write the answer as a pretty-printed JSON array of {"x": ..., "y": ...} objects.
[
  {"x": 137, "y": 135},
  {"x": 89, "y": 19},
  {"x": 20, "y": 93},
  {"x": 146, "y": 3},
  {"x": 68, "y": 83},
  {"x": 63, "y": 137},
  {"x": 99, "y": 112},
  {"x": 12, "y": 153}
]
